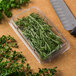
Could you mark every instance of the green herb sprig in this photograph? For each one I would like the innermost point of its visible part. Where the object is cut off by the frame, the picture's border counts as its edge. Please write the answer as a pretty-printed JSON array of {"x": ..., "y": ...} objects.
[
  {"x": 39, "y": 35},
  {"x": 6, "y": 5},
  {"x": 13, "y": 63}
]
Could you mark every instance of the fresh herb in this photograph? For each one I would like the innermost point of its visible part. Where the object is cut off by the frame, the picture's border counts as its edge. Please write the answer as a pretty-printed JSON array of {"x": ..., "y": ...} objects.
[
  {"x": 6, "y": 5},
  {"x": 39, "y": 35},
  {"x": 9, "y": 59},
  {"x": 13, "y": 63},
  {"x": 0, "y": 15},
  {"x": 46, "y": 72}
]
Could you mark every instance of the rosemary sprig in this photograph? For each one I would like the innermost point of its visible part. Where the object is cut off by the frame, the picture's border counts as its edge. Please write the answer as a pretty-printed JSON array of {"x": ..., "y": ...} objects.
[{"x": 39, "y": 34}]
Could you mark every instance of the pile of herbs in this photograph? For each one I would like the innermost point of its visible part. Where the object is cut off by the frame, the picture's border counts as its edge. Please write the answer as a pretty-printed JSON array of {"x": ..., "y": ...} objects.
[
  {"x": 39, "y": 35},
  {"x": 13, "y": 63},
  {"x": 6, "y": 5}
]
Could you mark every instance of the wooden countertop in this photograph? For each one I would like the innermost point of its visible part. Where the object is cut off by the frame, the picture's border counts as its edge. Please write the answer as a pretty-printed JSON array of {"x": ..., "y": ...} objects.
[{"x": 66, "y": 62}]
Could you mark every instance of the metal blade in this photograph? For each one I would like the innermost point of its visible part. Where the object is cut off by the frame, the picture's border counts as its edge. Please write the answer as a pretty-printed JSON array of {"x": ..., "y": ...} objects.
[{"x": 64, "y": 14}]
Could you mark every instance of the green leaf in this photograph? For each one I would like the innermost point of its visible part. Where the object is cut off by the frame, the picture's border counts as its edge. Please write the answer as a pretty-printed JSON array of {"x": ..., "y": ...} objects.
[
  {"x": 0, "y": 15},
  {"x": 8, "y": 13},
  {"x": 3, "y": 39},
  {"x": 53, "y": 71},
  {"x": 1, "y": 1}
]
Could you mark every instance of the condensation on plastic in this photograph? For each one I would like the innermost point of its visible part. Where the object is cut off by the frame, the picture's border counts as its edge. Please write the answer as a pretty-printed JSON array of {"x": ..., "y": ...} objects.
[{"x": 64, "y": 47}]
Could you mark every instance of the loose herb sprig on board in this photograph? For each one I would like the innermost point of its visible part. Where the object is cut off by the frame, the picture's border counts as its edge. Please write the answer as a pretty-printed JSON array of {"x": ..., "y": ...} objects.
[
  {"x": 13, "y": 63},
  {"x": 6, "y": 5},
  {"x": 39, "y": 35}
]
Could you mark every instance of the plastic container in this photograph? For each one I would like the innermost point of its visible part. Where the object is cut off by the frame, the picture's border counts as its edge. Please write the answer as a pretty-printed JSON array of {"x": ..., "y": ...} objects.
[{"x": 65, "y": 44}]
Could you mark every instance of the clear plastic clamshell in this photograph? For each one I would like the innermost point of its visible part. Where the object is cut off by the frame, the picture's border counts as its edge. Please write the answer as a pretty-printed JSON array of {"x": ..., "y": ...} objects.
[{"x": 63, "y": 47}]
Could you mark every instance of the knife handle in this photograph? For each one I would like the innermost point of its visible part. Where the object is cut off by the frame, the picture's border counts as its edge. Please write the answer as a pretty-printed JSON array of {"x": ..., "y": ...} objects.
[{"x": 73, "y": 32}]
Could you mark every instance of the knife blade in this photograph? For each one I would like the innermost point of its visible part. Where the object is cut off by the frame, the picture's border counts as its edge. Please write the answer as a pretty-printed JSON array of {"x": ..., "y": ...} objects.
[{"x": 65, "y": 15}]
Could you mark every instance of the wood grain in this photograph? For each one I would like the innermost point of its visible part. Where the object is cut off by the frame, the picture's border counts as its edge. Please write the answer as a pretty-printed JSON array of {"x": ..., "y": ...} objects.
[{"x": 66, "y": 62}]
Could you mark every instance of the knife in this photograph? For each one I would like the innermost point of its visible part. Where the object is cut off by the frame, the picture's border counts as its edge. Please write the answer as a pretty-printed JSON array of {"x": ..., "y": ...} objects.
[{"x": 65, "y": 15}]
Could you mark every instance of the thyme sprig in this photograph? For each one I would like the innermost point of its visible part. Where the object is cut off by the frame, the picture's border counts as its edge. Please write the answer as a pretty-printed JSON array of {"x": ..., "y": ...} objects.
[{"x": 13, "y": 63}]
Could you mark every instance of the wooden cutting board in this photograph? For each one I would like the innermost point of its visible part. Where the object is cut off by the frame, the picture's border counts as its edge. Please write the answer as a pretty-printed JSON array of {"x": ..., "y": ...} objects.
[{"x": 66, "y": 62}]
